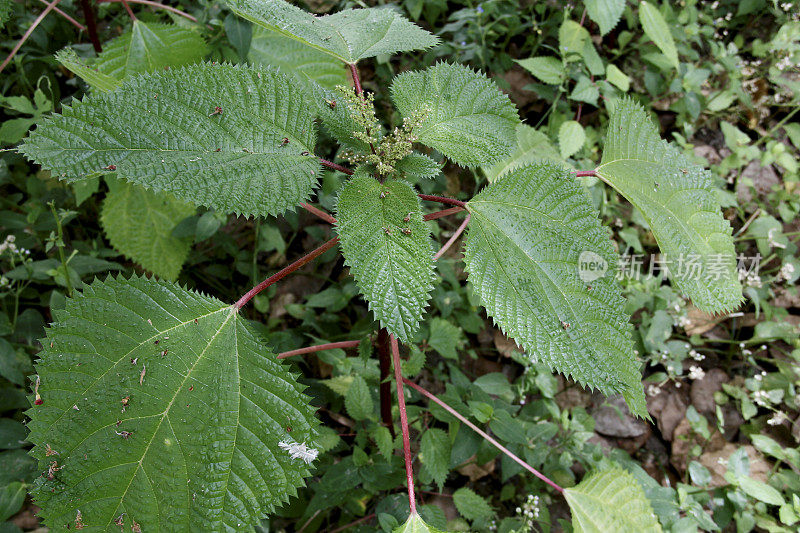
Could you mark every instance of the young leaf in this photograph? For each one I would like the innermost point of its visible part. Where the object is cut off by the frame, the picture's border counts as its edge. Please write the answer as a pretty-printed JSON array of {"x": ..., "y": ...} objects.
[
  {"x": 348, "y": 35},
  {"x": 657, "y": 29},
  {"x": 571, "y": 138},
  {"x": 415, "y": 524},
  {"x": 544, "y": 268},
  {"x": 151, "y": 395},
  {"x": 295, "y": 58},
  {"x": 418, "y": 166},
  {"x": 388, "y": 248},
  {"x": 96, "y": 80},
  {"x": 571, "y": 39},
  {"x": 618, "y": 78},
  {"x": 467, "y": 118},
  {"x": 434, "y": 453},
  {"x": 235, "y": 138},
  {"x": 139, "y": 224},
  {"x": 149, "y": 47},
  {"x": 547, "y": 68},
  {"x": 357, "y": 400},
  {"x": 606, "y": 13},
  {"x": 611, "y": 500},
  {"x": 532, "y": 145},
  {"x": 470, "y": 505},
  {"x": 679, "y": 201}
]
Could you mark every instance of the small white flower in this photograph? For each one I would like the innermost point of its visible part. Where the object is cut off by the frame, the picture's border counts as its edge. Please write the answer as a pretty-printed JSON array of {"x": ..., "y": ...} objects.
[
  {"x": 785, "y": 272},
  {"x": 776, "y": 419},
  {"x": 299, "y": 450},
  {"x": 696, "y": 373}
]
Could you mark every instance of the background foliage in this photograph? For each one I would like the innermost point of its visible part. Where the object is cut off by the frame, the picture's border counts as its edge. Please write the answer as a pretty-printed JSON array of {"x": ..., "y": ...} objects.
[{"x": 719, "y": 78}]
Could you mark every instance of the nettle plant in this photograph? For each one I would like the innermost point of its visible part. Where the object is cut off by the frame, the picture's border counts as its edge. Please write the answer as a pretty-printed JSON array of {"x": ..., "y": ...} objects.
[{"x": 157, "y": 407}]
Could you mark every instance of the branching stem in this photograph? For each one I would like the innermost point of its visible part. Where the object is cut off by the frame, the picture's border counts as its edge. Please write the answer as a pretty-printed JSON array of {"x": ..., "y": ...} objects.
[
  {"x": 452, "y": 239},
  {"x": 69, "y": 19},
  {"x": 401, "y": 404},
  {"x": 483, "y": 434},
  {"x": 319, "y": 212},
  {"x": 585, "y": 173},
  {"x": 319, "y": 348},
  {"x": 28, "y": 32},
  {"x": 443, "y": 200},
  {"x": 286, "y": 271},
  {"x": 442, "y": 213},
  {"x": 334, "y": 166},
  {"x": 129, "y": 10},
  {"x": 356, "y": 79}
]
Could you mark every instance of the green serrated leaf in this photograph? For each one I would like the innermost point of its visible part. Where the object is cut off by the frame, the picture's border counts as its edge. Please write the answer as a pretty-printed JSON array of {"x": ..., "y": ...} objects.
[
  {"x": 383, "y": 440},
  {"x": 390, "y": 257},
  {"x": 96, "y": 80},
  {"x": 139, "y": 224},
  {"x": 611, "y": 500},
  {"x": 293, "y": 57},
  {"x": 418, "y": 166},
  {"x": 657, "y": 29},
  {"x": 149, "y": 47},
  {"x": 547, "y": 68},
  {"x": 679, "y": 201},
  {"x": 349, "y": 35},
  {"x": 191, "y": 131},
  {"x": 151, "y": 395},
  {"x": 467, "y": 119},
  {"x": 571, "y": 39},
  {"x": 571, "y": 138},
  {"x": 470, "y": 505},
  {"x": 415, "y": 524},
  {"x": 413, "y": 365},
  {"x": 606, "y": 13},
  {"x": 444, "y": 337},
  {"x": 358, "y": 400},
  {"x": 531, "y": 236},
  {"x": 434, "y": 453},
  {"x": 532, "y": 145}
]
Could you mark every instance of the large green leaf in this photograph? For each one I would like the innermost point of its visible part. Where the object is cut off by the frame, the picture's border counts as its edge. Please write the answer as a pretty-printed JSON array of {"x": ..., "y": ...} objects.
[
  {"x": 239, "y": 139},
  {"x": 162, "y": 407},
  {"x": 388, "y": 248},
  {"x": 415, "y": 524},
  {"x": 148, "y": 47},
  {"x": 611, "y": 500},
  {"x": 468, "y": 118},
  {"x": 139, "y": 224},
  {"x": 532, "y": 145},
  {"x": 293, "y": 57},
  {"x": 679, "y": 201},
  {"x": 434, "y": 454},
  {"x": 657, "y": 29},
  {"x": 532, "y": 240},
  {"x": 606, "y": 13},
  {"x": 348, "y": 35}
]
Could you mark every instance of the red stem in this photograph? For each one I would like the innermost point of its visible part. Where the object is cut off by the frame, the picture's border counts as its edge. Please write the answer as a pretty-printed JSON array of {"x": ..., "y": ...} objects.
[
  {"x": 319, "y": 348},
  {"x": 91, "y": 25},
  {"x": 319, "y": 212},
  {"x": 28, "y": 33},
  {"x": 385, "y": 387},
  {"x": 443, "y": 200},
  {"x": 356, "y": 79},
  {"x": 585, "y": 173},
  {"x": 129, "y": 10},
  {"x": 157, "y": 5},
  {"x": 401, "y": 404},
  {"x": 442, "y": 213},
  {"x": 475, "y": 428},
  {"x": 286, "y": 271},
  {"x": 334, "y": 166},
  {"x": 69, "y": 19},
  {"x": 452, "y": 239}
]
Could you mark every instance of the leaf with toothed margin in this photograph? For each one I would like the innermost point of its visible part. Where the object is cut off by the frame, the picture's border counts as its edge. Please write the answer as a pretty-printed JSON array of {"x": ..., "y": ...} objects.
[
  {"x": 544, "y": 268},
  {"x": 415, "y": 524},
  {"x": 235, "y": 138},
  {"x": 679, "y": 201},
  {"x": 418, "y": 166},
  {"x": 162, "y": 407},
  {"x": 349, "y": 35},
  {"x": 388, "y": 248},
  {"x": 467, "y": 117}
]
